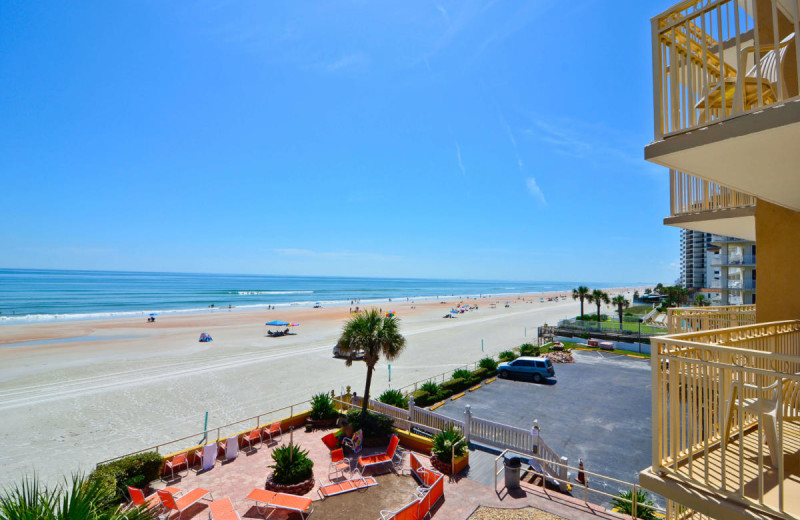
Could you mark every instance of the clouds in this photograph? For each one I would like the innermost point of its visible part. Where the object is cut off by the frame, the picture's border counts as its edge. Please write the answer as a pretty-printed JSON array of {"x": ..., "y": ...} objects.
[
  {"x": 460, "y": 162},
  {"x": 534, "y": 190}
]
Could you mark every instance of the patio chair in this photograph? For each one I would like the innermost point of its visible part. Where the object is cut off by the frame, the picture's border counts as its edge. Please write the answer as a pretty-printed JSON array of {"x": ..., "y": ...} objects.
[
  {"x": 273, "y": 430},
  {"x": 153, "y": 501},
  {"x": 380, "y": 459},
  {"x": 355, "y": 442},
  {"x": 181, "y": 504},
  {"x": 252, "y": 436},
  {"x": 222, "y": 509},
  {"x": 409, "y": 511},
  {"x": 207, "y": 456},
  {"x": 331, "y": 441},
  {"x": 231, "y": 447},
  {"x": 345, "y": 486},
  {"x": 177, "y": 461},
  {"x": 339, "y": 463},
  {"x": 284, "y": 501}
]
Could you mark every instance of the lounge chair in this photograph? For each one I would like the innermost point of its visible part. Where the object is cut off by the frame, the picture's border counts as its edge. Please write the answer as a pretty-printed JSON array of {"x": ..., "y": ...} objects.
[
  {"x": 153, "y": 501},
  {"x": 273, "y": 430},
  {"x": 345, "y": 486},
  {"x": 354, "y": 443},
  {"x": 339, "y": 463},
  {"x": 222, "y": 509},
  {"x": 231, "y": 447},
  {"x": 272, "y": 500},
  {"x": 181, "y": 504},
  {"x": 380, "y": 459},
  {"x": 409, "y": 511},
  {"x": 207, "y": 456},
  {"x": 252, "y": 436},
  {"x": 331, "y": 441},
  {"x": 177, "y": 461}
]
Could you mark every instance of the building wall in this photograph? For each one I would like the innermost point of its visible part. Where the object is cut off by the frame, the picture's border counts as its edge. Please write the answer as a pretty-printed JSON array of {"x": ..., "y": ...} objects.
[{"x": 778, "y": 236}]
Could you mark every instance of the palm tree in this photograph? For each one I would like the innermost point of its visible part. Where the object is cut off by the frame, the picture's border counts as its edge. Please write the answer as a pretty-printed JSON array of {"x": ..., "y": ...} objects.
[
  {"x": 375, "y": 334},
  {"x": 579, "y": 294},
  {"x": 701, "y": 301},
  {"x": 621, "y": 304},
  {"x": 79, "y": 499},
  {"x": 598, "y": 297}
]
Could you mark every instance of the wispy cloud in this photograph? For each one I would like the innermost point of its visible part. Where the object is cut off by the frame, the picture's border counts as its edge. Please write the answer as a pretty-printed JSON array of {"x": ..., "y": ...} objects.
[
  {"x": 460, "y": 162},
  {"x": 344, "y": 62},
  {"x": 442, "y": 10},
  {"x": 530, "y": 181},
  {"x": 534, "y": 190}
]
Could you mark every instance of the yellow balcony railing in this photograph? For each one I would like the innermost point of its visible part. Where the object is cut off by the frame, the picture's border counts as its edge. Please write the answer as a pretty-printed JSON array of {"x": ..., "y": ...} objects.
[
  {"x": 715, "y": 59},
  {"x": 726, "y": 413},
  {"x": 691, "y": 195},
  {"x": 697, "y": 319}
]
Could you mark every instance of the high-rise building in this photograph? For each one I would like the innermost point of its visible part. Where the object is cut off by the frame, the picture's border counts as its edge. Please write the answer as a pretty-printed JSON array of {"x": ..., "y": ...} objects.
[{"x": 721, "y": 268}]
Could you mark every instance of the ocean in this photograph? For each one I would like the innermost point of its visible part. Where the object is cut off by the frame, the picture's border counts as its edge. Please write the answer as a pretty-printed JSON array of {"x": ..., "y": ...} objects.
[{"x": 33, "y": 295}]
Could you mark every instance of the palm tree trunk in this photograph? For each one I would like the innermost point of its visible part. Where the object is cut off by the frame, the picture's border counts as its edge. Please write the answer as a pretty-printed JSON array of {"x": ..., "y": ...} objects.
[
  {"x": 581, "y": 307},
  {"x": 366, "y": 390},
  {"x": 620, "y": 317},
  {"x": 598, "y": 313}
]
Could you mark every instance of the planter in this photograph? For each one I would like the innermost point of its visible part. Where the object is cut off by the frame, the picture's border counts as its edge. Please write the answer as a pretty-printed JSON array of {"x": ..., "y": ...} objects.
[
  {"x": 445, "y": 467},
  {"x": 322, "y": 423},
  {"x": 301, "y": 488}
]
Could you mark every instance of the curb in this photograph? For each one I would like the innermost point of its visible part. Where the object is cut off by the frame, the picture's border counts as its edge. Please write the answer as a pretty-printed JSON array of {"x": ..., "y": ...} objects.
[{"x": 458, "y": 396}]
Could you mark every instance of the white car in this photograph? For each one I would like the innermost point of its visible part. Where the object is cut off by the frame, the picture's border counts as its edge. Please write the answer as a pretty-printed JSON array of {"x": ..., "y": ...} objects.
[{"x": 359, "y": 354}]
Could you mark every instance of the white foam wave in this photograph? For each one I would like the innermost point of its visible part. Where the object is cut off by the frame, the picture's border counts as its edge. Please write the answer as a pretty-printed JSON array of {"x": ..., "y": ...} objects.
[{"x": 252, "y": 293}]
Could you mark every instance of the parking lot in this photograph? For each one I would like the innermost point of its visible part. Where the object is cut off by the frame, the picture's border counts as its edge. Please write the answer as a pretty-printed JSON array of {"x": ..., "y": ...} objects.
[{"x": 597, "y": 409}]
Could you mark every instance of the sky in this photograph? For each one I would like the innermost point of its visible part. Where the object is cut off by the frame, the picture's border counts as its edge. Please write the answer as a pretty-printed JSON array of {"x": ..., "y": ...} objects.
[{"x": 492, "y": 139}]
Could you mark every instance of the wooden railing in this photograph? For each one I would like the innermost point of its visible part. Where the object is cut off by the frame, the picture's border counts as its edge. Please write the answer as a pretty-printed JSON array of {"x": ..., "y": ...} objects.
[
  {"x": 696, "y": 319},
  {"x": 690, "y": 195},
  {"x": 709, "y": 389},
  {"x": 716, "y": 59}
]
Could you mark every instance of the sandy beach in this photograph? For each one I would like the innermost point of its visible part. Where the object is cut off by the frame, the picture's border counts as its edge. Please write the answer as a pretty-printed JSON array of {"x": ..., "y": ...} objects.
[{"x": 85, "y": 391}]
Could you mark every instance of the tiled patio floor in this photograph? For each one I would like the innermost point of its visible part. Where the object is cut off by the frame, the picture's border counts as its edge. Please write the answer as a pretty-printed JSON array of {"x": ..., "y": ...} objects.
[{"x": 461, "y": 495}]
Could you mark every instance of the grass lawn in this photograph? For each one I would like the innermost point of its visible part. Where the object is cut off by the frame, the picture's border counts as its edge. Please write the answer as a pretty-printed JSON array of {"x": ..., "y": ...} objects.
[
  {"x": 570, "y": 344},
  {"x": 639, "y": 309},
  {"x": 614, "y": 325}
]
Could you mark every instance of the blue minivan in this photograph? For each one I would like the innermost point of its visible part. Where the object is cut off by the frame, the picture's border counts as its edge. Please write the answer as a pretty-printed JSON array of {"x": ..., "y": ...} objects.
[{"x": 540, "y": 368}]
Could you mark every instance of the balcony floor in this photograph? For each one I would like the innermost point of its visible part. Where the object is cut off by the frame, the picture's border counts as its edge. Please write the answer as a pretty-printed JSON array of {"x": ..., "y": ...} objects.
[{"x": 750, "y": 480}]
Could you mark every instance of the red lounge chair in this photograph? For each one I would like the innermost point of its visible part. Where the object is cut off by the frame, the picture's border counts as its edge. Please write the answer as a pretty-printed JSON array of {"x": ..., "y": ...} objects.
[
  {"x": 408, "y": 512},
  {"x": 138, "y": 498},
  {"x": 331, "y": 441},
  {"x": 222, "y": 509},
  {"x": 177, "y": 461},
  {"x": 252, "y": 436},
  {"x": 346, "y": 486},
  {"x": 383, "y": 458},
  {"x": 272, "y": 500},
  {"x": 273, "y": 430},
  {"x": 171, "y": 503}
]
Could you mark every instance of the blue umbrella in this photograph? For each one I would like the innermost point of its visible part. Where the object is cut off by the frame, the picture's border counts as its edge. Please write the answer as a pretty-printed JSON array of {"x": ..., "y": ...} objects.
[
  {"x": 453, "y": 312},
  {"x": 277, "y": 323},
  {"x": 153, "y": 314}
]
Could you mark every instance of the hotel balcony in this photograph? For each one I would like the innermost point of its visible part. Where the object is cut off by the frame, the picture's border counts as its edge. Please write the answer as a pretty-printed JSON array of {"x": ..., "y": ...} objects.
[
  {"x": 726, "y": 100},
  {"x": 695, "y": 319},
  {"x": 734, "y": 285},
  {"x": 734, "y": 261},
  {"x": 726, "y": 422},
  {"x": 710, "y": 207}
]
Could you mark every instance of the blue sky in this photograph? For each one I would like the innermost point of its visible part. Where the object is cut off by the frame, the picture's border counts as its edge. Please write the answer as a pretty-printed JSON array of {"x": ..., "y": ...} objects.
[{"x": 489, "y": 139}]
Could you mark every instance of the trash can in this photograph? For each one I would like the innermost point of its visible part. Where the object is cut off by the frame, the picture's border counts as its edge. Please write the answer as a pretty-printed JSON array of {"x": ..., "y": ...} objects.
[{"x": 511, "y": 465}]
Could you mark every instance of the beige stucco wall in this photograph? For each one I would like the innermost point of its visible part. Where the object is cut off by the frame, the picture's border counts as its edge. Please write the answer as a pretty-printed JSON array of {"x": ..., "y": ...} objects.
[{"x": 777, "y": 263}]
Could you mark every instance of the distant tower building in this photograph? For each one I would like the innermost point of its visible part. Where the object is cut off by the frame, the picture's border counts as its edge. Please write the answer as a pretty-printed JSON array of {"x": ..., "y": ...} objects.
[
  {"x": 694, "y": 250},
  {"x": 723, "y": 268}
]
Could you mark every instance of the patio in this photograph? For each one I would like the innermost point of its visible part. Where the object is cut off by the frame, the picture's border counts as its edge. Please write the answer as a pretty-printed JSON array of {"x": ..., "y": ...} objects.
[{"x": 462, "y": 496}]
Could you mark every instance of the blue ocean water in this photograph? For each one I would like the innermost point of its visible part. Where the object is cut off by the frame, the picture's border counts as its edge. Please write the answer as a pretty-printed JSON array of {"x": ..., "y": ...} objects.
[{"x": 28, "y": 295}]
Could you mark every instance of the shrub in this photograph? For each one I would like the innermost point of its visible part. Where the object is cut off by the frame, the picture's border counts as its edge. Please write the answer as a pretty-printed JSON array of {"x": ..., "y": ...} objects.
[
  {"x": 480, "y": 374},
  {"x": 643, "y": 500},
  {"x": 136, "y": 471},
  {"x": 394, "y": 398},
  {"x": 455, "y": 385},
  {"x": 584, "y": 335},
  {"x": 374, "y": 425},
  {"x": 527, "y": 349},
  {"x": 488, "y": 363},
  {"x": 461, "y": 373},
  {"x": 557, "y": 348},
  {"x": 507, "y": 355},
  {"x": 322, "y": 407},
  {"x": 422, "y": 398},
  {"x": 292, "y": 465},
  {"x": 444, "y": 441},
  {"x": 430, "y": 387}
]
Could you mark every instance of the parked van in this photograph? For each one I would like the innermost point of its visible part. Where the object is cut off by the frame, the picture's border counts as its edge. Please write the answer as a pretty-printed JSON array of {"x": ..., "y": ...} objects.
[{"x": 540, "y": 368}]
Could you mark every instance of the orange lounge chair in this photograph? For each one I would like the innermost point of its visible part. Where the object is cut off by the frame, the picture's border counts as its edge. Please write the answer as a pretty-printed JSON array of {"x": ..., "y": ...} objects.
[
  {"x": 339, "y": 464},
  {"x": 171, "y": 503},
  {"x": 275, "y": 501},
  {"x": 252, "y": 436},
  {"x": 383, "y": 458},
  {"x": 138, "y": 498},
  {"x": 337, "y": 488},
  {"x": 273, "y": 430},
  {"x": 222, "y": 509},
  {"x": 408, "y": 512},
  {"x": 178, "y": 460}
]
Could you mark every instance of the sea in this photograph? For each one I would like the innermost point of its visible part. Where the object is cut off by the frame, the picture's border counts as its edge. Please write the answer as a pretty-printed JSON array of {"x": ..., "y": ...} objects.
[{"x": 42, "y": 295}]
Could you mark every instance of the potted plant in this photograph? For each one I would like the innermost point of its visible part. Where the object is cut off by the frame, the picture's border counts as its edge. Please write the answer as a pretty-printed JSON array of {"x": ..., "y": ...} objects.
[
  {"x": 323, "y": 413},
  {"x": 293, "y": 471},
  {"x": 447, "y": 459}
]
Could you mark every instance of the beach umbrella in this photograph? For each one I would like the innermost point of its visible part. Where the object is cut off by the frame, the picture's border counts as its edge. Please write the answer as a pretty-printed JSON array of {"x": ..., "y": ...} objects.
[
  {"x": 277, "y": 323},
  {"x": 453, "y": 312},
  {"x": 294, "y": 324},
  {"x": 153, "y": 314},
  {"x": 390, "y": 314}
]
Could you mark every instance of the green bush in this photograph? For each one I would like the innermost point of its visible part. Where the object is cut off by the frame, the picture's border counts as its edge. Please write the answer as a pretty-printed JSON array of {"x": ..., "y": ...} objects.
[
  {"x": 527, "y": 349},
  {"x": 455, "y": 385},
  {"x": 292, "y": 465},
  {"x": 461, "y": 373},
  {"x": 422, "y": 398},
  {"x": 643, "y": 500},
  {"x": 136, "y": 471},
  {"x": 480, "y": 374},
  {"x": 488, "y": 363},
  {"x": 430, "y": 387},
  {"x": 445, "y": 392},
  {"x": 374, "y": 425},
  {"x": 584, "y": 335},
  {"x": 444, "y": 441},
  {"x": 322, "y": 407},
  {"x": 394, "y": 398},
  {"x": 507, "y": 355}
]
